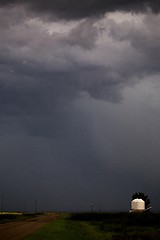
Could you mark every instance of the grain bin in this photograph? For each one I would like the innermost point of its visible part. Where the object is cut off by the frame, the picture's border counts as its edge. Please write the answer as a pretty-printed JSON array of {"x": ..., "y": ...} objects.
[{"x": 138, "y": 205}]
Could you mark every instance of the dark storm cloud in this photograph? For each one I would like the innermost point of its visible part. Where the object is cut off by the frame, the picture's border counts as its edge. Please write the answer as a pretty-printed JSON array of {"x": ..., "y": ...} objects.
[
  {"x": 60, "y": 66},
  {"x": 71, "y": 9},
  {"x": 67, "y": 65},
  {"x": 72, "y": 129},
  {"x": 144, "y": 40},
  {"x": 70, "y": 64}
]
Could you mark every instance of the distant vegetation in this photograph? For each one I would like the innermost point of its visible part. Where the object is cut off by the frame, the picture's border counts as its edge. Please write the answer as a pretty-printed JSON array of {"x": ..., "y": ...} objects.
[
  {"x": 14, "y": 216},
  {"x": 102, "y": 226},
  {"x": 144, "y": 197}
]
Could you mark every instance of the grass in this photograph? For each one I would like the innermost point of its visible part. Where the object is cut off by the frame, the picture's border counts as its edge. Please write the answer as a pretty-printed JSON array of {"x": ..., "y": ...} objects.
[
  {"x": 126, "y": 226},
  {"x": 61, "y": 230},
  {"x": 104, "y": 226}
]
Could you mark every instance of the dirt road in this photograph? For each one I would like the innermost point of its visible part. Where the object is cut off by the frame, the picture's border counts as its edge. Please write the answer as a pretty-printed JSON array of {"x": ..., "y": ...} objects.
[{"x": 18, "y": 230}]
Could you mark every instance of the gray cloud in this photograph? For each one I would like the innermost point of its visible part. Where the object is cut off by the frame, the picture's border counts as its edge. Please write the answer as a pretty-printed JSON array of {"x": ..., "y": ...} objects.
[
  {"x": 79, "y": 106},
  {"x": 143, "y": 38},
  {"x": 81, "y": 56},
  {"x": 79, "y": 35},
  {"x": 76, "y": 10}
]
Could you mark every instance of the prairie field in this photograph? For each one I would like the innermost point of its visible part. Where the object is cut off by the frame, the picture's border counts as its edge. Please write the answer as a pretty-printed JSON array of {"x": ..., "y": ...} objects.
[{"x": 101, "y": 226}]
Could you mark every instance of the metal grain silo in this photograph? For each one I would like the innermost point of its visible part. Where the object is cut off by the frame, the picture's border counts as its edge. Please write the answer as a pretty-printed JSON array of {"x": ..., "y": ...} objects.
[{"x": 137, "y": 205}]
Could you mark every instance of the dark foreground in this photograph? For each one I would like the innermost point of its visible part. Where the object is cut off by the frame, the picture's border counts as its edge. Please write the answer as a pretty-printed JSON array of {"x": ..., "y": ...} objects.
[
  {"x": 84, "y": 226},
  {"x": 14, "y": 227},
  {"x": 124, "y": 226}
]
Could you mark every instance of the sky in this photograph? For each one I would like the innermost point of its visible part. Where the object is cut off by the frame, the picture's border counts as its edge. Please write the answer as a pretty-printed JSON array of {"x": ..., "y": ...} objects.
[{"x": 79, "y": 104}]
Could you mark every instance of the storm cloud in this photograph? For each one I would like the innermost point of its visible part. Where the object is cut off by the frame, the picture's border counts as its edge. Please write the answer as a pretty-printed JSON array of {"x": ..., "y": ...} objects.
[
  {"x": 79, "y": 103},
  {"x": 76, "y": 10}
]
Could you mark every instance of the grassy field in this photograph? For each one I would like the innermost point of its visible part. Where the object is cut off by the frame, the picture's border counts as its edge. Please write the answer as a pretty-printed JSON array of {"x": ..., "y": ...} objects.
[
  {"x": 68, "y": 230},
  {"x": 102, "y": 226}
]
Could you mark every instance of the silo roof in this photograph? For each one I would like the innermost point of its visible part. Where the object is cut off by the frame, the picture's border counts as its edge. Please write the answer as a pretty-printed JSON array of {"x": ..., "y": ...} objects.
[{"x": 138, "y": 200}]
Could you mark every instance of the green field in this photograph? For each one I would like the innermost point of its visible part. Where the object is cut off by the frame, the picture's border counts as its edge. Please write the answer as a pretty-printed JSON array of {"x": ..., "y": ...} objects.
[{"x": 102, "y": 226}]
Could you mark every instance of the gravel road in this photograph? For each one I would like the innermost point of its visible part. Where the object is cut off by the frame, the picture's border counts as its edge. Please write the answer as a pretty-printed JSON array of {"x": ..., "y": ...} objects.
[{"x": 19, "y": 229}]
